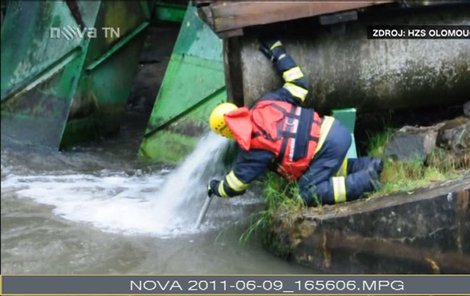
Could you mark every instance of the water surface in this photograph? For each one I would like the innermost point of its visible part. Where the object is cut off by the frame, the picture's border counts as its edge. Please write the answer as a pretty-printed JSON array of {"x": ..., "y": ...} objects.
[{"x": 97, "y": 209}]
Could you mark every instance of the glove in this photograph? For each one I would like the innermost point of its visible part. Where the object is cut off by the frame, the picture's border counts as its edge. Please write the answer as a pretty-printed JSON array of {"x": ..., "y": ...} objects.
[
  {"x": 212, "y": 187},
  {"x": 271, "y": 48}
]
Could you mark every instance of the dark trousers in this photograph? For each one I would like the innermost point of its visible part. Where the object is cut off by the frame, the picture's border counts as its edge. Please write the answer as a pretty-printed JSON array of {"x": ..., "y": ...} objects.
[{"x": 317, "y": 185}]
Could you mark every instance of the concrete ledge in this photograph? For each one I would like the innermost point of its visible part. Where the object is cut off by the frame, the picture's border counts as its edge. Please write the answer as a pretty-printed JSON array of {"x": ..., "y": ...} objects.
[{"x": 425, "y": 231}]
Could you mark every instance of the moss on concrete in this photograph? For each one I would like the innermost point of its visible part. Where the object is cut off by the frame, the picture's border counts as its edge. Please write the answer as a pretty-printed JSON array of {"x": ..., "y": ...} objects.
[{"x": 168, "y": 147}]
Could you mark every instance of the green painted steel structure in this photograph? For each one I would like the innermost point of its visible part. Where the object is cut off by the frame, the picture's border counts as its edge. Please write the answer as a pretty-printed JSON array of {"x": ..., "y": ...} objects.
[
  {"x": 193, "y": 84},
  {"x": 60, "y": 89},
  {"x": 168, "y": 11},
  {"x": 67, "y": 68},
  {"x": 347, "y": 116}
]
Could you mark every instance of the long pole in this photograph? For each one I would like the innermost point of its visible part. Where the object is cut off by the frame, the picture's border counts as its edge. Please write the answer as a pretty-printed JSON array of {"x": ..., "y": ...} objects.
[{"x": 203, "y": 212}]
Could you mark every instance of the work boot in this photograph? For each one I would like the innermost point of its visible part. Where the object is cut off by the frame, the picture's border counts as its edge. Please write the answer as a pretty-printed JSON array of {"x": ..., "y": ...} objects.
[
  {"x": 377, "y": 165},
  {"x": 374, "y": 178}
]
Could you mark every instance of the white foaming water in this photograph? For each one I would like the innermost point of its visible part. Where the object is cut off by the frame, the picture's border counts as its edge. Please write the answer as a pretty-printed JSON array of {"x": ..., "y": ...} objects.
[{"x": 156, "y": 204}]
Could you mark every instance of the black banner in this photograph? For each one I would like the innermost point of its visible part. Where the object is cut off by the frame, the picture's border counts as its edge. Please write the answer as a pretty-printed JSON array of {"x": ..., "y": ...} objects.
[
  {"x": 418, "y": 32},
  {"x": 236, "y": 284}
]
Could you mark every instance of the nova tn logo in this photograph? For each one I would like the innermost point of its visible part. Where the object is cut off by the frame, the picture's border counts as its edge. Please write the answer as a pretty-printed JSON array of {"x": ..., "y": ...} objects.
[{"x": 71, "y": 32}]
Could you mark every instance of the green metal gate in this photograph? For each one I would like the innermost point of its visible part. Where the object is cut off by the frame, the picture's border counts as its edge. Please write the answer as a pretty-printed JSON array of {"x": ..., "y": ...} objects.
[
  {"x": 67, "y": 68},
  {"x": 193, "y": 84}
]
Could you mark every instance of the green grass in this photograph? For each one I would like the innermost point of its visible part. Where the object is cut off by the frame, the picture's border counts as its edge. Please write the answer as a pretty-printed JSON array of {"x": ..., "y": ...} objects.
[
  {"x": 281, "y": 196},
  {"x": 377, "y": 143},
  {"x": 283, "y": 199},
  {"x": 402, "y": 176}
]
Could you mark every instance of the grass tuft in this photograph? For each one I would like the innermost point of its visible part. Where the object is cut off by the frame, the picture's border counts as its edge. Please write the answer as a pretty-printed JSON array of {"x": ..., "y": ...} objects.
[
  {"x": 280, "y": 195},
  {"x": 401, "y": 176},
  {"x": 283, "y": 199}
]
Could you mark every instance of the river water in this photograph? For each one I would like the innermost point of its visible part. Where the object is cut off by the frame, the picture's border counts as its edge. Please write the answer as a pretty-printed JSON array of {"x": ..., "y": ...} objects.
[{"x": 97, "y": 209}]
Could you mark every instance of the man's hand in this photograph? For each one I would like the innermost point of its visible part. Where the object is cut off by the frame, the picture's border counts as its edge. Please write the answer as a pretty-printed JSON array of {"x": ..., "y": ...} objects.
[
  {"x": 212, "y": 187},
  {"x": 271, "y": 48}
]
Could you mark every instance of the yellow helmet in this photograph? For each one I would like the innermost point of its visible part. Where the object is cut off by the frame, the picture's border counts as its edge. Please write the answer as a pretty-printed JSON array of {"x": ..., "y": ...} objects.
[{"x": 217, "y": 120}]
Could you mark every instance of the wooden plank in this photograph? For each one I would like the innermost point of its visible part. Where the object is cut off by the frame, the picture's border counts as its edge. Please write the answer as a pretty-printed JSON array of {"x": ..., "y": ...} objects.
[
  {"x": 205, "y": 14},
  {"x": 202, "y": 2},
  {"x": 230, "y": 33},
  {"x": 239, "y": 14}
]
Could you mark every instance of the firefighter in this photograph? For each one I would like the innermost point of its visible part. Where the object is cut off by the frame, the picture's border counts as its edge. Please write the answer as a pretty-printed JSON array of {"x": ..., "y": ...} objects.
[{"x": 277, "y": 133}]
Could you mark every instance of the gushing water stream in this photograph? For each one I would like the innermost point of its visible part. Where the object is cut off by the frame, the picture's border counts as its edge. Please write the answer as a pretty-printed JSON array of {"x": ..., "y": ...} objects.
[
  {"x": 97, "y": 209},
  {"x": 156, "y": 204}
]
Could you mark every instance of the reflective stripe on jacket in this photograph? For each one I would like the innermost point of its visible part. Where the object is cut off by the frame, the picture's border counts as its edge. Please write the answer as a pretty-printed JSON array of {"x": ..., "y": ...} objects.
[{"x": 289, "y": 131}]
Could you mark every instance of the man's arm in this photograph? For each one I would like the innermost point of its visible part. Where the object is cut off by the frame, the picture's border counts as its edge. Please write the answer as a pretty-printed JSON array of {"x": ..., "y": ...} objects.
[
  {"x": 295, "y": 88},
  {"x": 249, "y": 165}
]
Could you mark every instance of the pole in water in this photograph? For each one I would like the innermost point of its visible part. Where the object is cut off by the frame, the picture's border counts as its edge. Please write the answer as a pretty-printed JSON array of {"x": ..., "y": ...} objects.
[{"x": 203, "y": 212}]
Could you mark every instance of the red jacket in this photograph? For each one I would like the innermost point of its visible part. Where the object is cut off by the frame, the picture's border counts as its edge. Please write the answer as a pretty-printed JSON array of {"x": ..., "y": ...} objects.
[{"x": 289, "y": 131}]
